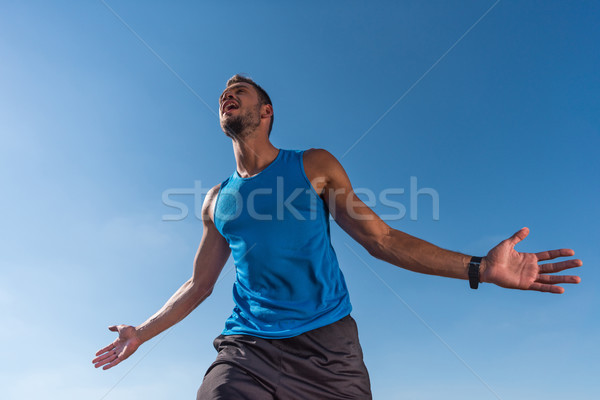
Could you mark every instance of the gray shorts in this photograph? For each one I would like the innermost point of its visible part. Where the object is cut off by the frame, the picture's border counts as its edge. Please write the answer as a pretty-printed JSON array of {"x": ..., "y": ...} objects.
[{"x": 325, "y": 364}]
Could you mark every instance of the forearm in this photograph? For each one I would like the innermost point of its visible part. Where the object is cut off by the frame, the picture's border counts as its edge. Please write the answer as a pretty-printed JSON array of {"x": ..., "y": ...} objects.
[
  {"x": 186, "y": 299},
  {"x": 409, "y": 252}
]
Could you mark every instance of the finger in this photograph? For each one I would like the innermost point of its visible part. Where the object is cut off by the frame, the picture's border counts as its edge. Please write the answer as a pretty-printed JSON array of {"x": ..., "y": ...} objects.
[
  {"x": 105, "y": 349},
  {"x": 519, "y": 235},
  {"x": 107, "y": 360},
  {"x": 543, "y": 287},
  {"x": 550, "y": 254},
  {"x": 112, "y": 364},
  {"x": 559, "y": 266},
  {"x": 555, "y": 279},
  {"x": 103, "y": 357}
]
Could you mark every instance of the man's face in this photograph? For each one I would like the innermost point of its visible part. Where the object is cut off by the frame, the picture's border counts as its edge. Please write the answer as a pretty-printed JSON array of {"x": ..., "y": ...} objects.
[{"x": 239, "y": 110}]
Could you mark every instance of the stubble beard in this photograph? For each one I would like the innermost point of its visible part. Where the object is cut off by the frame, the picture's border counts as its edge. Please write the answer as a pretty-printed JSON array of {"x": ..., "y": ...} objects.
[{"x": 241, "y": 125}]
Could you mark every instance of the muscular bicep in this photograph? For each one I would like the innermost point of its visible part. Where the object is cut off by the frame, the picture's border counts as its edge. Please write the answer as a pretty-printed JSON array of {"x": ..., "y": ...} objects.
[
  {"x": 330, "y": 180},
  {"x": 213, "y": 250}
]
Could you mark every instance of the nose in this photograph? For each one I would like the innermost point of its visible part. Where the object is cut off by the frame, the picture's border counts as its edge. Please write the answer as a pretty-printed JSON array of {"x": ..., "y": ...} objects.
[{"x": 227, "y": 95}]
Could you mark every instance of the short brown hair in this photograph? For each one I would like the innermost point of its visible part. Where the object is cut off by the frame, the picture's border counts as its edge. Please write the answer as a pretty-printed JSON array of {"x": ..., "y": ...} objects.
[{"x": 262, "y": 94}]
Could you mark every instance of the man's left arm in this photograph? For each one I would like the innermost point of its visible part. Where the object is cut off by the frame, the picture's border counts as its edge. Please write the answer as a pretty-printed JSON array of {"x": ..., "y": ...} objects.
[{"x": 503, "y": 265}]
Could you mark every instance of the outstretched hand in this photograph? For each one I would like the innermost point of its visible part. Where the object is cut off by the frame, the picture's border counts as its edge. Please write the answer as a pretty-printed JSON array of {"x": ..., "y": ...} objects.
[
  {"x": 506, "y": 267},
  {"x": 124, "y": 346}
]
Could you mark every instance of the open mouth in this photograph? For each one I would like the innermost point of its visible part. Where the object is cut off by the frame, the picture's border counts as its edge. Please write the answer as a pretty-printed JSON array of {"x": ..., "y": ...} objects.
[{"x": 229, "y": 105}]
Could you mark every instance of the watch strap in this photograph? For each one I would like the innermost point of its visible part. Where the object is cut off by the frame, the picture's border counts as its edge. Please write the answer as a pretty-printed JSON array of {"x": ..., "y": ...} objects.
[{"x": 474, "y": 272}]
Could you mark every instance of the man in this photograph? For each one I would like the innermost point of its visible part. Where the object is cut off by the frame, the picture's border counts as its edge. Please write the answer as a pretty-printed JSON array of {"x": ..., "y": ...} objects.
[{"x": 291, "y": 335}]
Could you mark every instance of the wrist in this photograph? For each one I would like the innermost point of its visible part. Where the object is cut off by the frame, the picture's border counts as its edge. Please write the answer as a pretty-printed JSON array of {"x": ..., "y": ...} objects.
[
  {"x": 141, "y": 334},
  {"x": 482, "y": 270}
]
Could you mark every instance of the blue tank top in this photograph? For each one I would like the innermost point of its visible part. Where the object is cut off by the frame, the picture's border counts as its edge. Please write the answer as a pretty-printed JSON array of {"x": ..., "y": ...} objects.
[{"x": 288, "y": 280}]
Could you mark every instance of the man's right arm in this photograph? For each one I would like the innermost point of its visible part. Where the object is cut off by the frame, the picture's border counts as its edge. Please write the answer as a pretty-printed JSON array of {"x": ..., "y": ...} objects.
[{"x": 210, "y": 258}]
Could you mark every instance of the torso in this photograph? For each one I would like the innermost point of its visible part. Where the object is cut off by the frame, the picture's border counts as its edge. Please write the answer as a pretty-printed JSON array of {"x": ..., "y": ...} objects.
[{"x": 288, "y": 278}]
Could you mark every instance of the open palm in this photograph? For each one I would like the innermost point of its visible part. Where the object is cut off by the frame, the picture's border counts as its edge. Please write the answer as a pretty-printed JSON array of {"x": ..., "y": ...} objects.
[
  {"x": 124, "y": 346},
  {"x": 506, "y": 267}
]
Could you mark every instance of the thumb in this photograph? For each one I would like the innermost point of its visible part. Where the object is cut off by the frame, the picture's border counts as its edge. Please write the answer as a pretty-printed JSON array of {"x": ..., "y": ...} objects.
[
  {"x": 113, "y": 328},
  {"x": 519, "y": 235}
]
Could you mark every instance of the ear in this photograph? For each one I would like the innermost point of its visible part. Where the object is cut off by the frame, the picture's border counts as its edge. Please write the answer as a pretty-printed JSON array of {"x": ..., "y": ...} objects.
[{"x": 266, "y": 111}]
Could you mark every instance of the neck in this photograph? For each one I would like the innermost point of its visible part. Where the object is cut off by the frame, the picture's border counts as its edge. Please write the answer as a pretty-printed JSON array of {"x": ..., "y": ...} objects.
[{"x": 252, "y": 154}]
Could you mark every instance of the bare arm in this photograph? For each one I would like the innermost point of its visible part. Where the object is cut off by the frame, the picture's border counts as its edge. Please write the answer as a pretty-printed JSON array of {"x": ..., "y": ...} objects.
[
  {"x": 502, "y": 266},
  {"x": 210, "y": 259},
  {"x": 208, "y": 263}
]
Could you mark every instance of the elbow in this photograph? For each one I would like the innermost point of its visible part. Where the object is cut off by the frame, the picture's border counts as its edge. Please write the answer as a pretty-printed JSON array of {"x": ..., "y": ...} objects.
[
  {"x": 376, "y": 246},
  {"x": 200, "y": 292},
  {"x": 375, "y": 250}
]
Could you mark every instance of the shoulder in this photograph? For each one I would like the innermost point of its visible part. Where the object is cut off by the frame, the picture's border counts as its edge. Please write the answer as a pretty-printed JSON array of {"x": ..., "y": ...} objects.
[
  {"x": 213, "y": 191},
  {"x": 323, "y": 169},
  {"x": 209, "y": 203},
  {"x": 319, "y": 158},
  {"x": 322, "y": 161}
]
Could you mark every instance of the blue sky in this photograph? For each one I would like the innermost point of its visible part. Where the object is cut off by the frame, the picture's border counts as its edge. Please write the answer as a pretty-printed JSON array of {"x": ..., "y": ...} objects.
[{"x": 95, "y": 128}]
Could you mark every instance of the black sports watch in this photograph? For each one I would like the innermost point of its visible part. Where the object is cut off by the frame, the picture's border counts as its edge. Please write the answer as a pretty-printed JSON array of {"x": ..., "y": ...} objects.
[{"x": 474, "y": 272}]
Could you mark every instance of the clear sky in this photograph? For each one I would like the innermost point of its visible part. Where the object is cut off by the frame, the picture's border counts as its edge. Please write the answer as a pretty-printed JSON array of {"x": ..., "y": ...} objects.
[{"x": 98, "y": 121}]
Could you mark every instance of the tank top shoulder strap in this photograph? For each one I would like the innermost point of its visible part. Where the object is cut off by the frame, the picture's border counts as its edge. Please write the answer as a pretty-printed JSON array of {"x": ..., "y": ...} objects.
[
  {"x": 293, "y": 161},
  {"x": 222, "y": 186}
]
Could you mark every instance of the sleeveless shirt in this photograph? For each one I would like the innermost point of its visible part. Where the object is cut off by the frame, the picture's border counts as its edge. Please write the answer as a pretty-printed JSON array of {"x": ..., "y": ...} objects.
[{"x": 288, "y": 279}]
